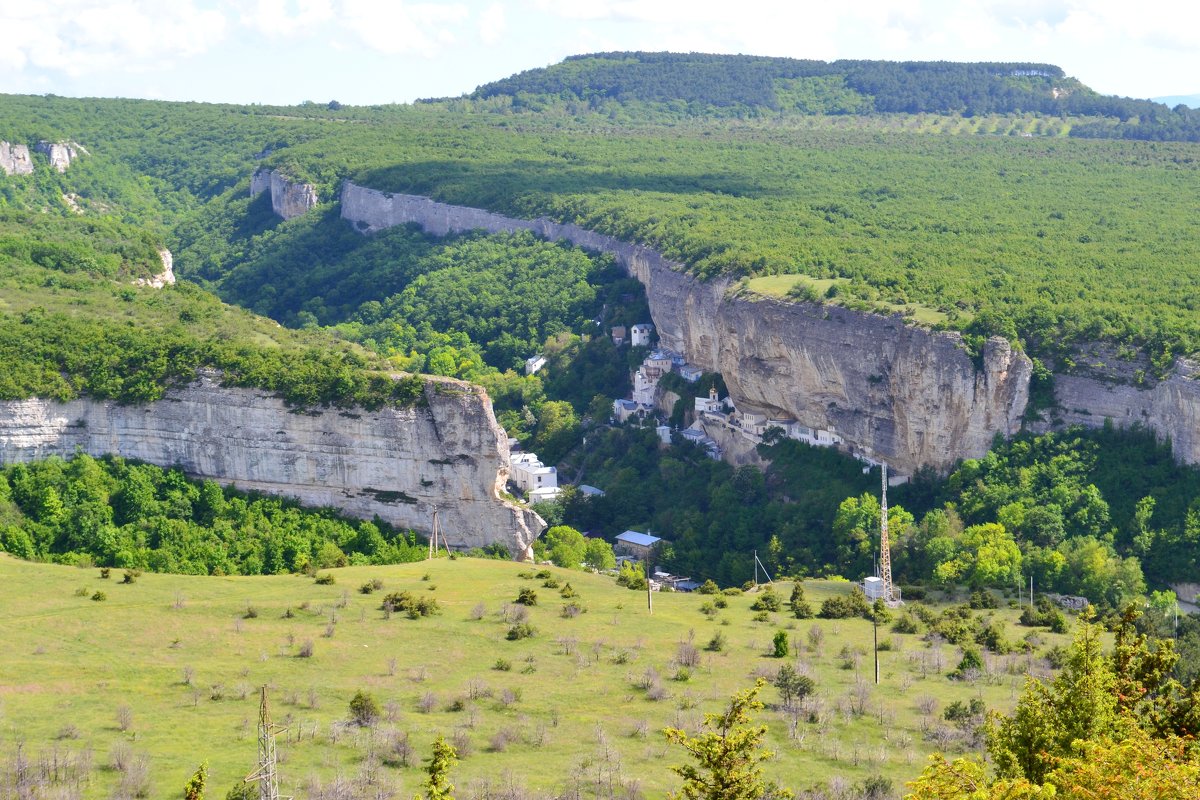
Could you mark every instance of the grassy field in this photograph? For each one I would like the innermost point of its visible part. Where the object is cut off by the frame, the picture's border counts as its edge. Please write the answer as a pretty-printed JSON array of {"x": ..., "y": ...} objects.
[
  {"x": 180, "y": 658},
  {"x": 781, "y": 285}
]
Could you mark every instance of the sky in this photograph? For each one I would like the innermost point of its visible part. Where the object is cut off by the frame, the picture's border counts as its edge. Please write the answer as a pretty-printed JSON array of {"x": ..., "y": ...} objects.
[{"x": 371, "y": 51}]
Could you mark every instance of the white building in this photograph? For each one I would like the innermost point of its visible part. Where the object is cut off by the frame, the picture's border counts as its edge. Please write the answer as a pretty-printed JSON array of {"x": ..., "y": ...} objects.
[
  {"x": 590, "y": 491},
  {"x": 635, "y": 544},
  {"x": 624, "y": 409},
  {"x": 640, "y": 334},
  {"x": 530, "y": 474},
  {"x": 544, "y": 494},
  {"x": 690, "y": 373},
  {"x": 710, "y": 404},
  {"x": 533, "y": 364},
  {"x": 664, "y": 433}
]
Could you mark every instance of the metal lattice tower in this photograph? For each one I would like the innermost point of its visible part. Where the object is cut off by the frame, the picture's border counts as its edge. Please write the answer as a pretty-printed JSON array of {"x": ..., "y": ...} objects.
[
  {"x": 885, "y": 549},
  {"x": 266, "y": 776}
]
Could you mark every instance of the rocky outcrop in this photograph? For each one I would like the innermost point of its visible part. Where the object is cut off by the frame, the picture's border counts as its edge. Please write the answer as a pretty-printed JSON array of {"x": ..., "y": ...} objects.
[
  {"x": 1169, "y": 407},
  {"x": 399, "y": 464},
  {"x": 288, "y": 199},
  {"x": 15, "y": 160},
  {"x": 61, "y": 154},
  {"x": 895, "y": 393},
  {"x": 164, "y": 278}
]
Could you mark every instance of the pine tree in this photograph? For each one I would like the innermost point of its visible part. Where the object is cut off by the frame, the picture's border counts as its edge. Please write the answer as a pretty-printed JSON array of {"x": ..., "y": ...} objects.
[
  {"x": 437, "y": 785},
  {"x": 727, "y": 755}
]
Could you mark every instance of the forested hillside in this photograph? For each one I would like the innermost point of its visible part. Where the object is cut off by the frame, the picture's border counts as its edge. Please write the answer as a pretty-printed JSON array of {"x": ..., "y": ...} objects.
[
  {"x": 738, "y": 84},
  {"x": 1049, "y": 242}
]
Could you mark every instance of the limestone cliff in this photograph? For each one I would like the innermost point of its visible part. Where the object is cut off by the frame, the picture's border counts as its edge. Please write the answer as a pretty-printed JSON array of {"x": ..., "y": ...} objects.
[
  {"x": 14, "y": 159},
  {"x": 288, "y": 199},
  {"x": 396, "y": 463},
  {"x": 893, "y": 392},
  {"x": 61, "y": 154},
  {"x": 1170, "y": 407}
]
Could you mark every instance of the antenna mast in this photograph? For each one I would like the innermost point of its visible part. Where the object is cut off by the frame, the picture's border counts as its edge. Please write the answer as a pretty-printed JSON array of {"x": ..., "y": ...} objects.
[
  {"x": 885, "y": 550},
  {"x": 266, "y": 775}
]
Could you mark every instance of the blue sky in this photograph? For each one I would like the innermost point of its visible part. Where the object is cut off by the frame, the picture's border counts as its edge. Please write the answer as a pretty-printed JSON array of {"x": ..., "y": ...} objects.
[{"x": 365, "y": 51}]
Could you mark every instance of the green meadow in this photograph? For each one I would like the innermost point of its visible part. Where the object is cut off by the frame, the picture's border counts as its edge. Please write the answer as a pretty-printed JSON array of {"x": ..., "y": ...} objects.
[{"x": 165, "y": 672}]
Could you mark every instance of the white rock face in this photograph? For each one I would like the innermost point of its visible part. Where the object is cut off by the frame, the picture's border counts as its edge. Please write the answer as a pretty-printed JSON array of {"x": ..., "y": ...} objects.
[
  {"x": 15, "y": 160},
  {"x": 288, "y": 199},
  {"x": 1170, "y": 407},
  {"x": 895, "y": 393},
  {"x": 61, "y": 153},
  {"x": 395, "y": 463},
  {"x": 164, "y": 278}
]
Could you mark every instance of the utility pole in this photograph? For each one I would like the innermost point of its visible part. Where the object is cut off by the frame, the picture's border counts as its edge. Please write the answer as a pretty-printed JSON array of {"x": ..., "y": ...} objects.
[
  {"x": 875, "y": 622},
  {"x": 649, "y": 596}
]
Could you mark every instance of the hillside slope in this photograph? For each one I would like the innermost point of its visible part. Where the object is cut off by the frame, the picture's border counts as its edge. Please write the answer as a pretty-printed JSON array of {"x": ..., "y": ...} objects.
[{"x": 580, "y": 704}]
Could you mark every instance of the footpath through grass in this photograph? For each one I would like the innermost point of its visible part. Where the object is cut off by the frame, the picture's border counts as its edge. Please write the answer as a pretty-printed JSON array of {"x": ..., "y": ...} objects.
[{"x": 176, "y": 661}]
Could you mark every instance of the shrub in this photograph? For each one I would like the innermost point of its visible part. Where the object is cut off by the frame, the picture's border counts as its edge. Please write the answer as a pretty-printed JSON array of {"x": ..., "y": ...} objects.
[
  {"x": 568, "y": 592},
  {"x": 852, "y": 605},
  {"x": 779, "y": 644},
  {"x": 709, "y": 587},
  {"x": 550, "y": 583},
  {"x": 792, "y": 685},
  {"x": 105, "y": 572},
  {"x": 761, "y": 616},
  {"x": 306, "y": 649},
  {"x": 905, "y": 623},
  {"x": 767, "y": 601},
  {"x": 522, "y": 630},
  {"x": 527, "y": 597},
  {"x": 971, "y": 661},
  {"x": 542, "y": 574},
  {"x": 720, "y": 602},
  {"x": 364, "y": 711},
  {"x": 250, "y": 613},
  {"x": 99, "y": 596},
  {"x": 732, "y": 591},
  {"x": 717, "y": 643},
  {"x": 130, "y": 576},
  {"x": 981, "y": 599},
  {"x": 410, "y": 604},
  {"x": 571, "y": 610},
  {"x": 325, "y": 579},
  {"x": 502, "y": 665}
]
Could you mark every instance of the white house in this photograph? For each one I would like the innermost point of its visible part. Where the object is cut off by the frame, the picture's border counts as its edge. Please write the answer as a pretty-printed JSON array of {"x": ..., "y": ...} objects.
[
  {"x": 640, "y": 334},
  {"x": 590, "y": 491},
  {"x": 533, "y": 364},
  {"x": 690, "y": 372},
  {"x": 530, "y": 474}
]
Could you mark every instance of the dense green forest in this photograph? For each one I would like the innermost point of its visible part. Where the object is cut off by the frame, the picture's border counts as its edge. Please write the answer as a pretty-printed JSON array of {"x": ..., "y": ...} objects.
[
  {"x": 119, "y": 513},
  {"x": 705, "y": 84},
  {"x": 1047, "y": 241},
  {"x": 72, "y": 324},
  {"x": 1090, "y": 512}
]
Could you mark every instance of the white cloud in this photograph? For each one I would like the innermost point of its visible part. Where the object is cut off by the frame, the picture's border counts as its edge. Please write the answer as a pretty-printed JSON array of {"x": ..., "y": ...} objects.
[
  {"x": 493, "y": 23},
  {"x": 401, "y": 28},
  {"x": 284, "y": 18},
  {"x": 77, "y": 37}
]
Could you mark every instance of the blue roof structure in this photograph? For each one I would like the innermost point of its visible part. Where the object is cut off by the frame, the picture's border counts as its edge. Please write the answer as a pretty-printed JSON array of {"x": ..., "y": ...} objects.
[{"x": 634, "y": 537}]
